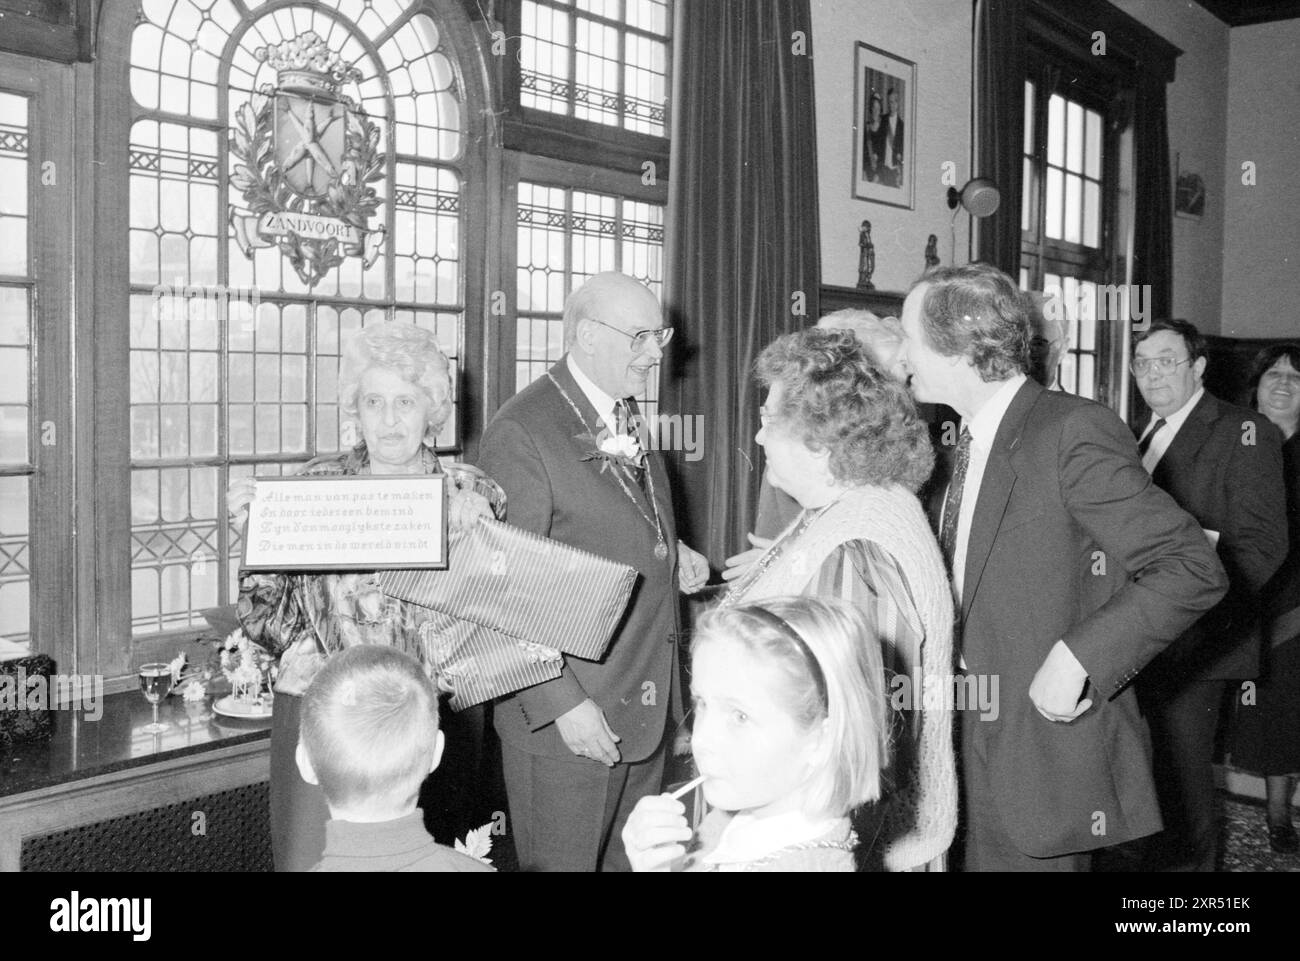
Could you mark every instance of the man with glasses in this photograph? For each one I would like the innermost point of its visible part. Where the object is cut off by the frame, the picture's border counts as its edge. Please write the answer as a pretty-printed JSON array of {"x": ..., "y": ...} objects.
[
  {"x": 578, "y": 752},
  {"x": 1223, "y": 465}
]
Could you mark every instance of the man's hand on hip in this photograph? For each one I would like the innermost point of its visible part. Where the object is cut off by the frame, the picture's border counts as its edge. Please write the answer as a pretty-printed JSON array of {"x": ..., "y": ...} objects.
[
  {"x": 587, "y": 734},
  {"x": 1058, "y": 685}
]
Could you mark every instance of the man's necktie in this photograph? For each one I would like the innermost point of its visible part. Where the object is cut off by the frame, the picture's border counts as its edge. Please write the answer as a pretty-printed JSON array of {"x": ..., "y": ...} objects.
[
  {"x": 952, "y": 500},
  {"x": 627, "y": 418},
  {"x": 1146, "y": 441}
]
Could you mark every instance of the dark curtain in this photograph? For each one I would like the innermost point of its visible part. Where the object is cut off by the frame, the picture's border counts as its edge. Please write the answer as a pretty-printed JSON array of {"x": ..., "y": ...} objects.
[
  {"x": 743, "y": 241},
  {"x": 1000, "y": 45},
  {"x": 1153, "y": 249}
]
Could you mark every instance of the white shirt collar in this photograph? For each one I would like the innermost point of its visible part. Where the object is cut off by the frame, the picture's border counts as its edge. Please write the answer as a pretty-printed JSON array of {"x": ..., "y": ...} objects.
[
  {"x": 1175, "y": 420},
  {"x": 984, "y": 425},
  {"x": 748, "y": 838},
  {"x": 601, "y": 401}
]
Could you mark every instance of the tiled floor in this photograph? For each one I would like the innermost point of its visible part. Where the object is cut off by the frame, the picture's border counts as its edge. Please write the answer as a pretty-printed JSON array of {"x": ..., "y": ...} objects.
[{"x": 1245, "y": 846}]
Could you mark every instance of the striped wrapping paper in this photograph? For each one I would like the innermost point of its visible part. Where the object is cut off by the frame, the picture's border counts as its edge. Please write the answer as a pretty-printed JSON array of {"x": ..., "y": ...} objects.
[{"x": 507, "y": 606}]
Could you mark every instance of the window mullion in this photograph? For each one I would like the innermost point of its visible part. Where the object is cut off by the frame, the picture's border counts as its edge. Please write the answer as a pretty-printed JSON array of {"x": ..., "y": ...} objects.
[
  {"x": 573, "y": 62},
  {"x": 621, "y": 81}
]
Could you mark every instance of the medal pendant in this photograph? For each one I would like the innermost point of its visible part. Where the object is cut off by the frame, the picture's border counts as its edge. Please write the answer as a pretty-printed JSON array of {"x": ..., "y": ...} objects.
[{"x": 661, "y": 551}]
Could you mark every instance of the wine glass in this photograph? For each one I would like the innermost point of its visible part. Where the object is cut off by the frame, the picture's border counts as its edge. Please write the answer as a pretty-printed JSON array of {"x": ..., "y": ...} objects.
[{"x": 156, "y": 683}]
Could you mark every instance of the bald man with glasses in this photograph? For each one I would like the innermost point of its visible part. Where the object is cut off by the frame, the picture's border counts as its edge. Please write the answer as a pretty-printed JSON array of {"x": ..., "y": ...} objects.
[
  {"x": 578, "y": 752},
  {"x": 1223, "y": 465}
]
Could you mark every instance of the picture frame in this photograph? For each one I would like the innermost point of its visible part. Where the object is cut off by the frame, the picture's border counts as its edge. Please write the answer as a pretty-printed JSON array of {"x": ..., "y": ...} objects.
[
  {"x": 884, "y": 158},
  {"x": 1189, "y": 196},
  {"x": 361, "y": 522},
  {"x": 1189, "y": 192}
]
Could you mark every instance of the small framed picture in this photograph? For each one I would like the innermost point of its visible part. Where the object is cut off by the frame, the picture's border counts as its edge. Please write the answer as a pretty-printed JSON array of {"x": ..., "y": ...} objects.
[
  {"x": 1189, "y": 192},
  {"x": 884, "y": 127},
  {"x": 347, "y": 522}
]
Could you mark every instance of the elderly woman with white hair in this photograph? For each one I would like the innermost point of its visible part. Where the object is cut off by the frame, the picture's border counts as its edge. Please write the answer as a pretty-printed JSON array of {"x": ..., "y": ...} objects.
[{"x": 395, "y": 384}]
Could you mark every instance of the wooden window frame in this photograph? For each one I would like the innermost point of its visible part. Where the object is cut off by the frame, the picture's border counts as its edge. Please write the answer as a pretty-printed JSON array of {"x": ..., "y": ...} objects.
[
  {"x": 572, "y": 139},
  {"x": 553, "y": 173},
  {"x": 105, "y": 637},
  {"x": 1064, "y": 33},
  {"x": 55, "y": 406},
  {"x": 1041, "y": 255},
  {"x": 85, "y": 616}
]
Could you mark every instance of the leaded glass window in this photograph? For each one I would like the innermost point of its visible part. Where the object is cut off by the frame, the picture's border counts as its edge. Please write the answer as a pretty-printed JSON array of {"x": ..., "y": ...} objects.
[
  {"x": 605, "y": 61},
  {"x": 566, "y": 236},
  {"x": 234, "y": 359},
  {"x": 17, "y": 467},
  {"x": 1068, "y": 164}
]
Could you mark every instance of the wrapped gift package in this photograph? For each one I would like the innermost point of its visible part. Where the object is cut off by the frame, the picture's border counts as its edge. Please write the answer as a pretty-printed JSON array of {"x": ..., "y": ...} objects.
[
  {"x": 25, "y": 708},
  {"x": 508, "y": 606}
]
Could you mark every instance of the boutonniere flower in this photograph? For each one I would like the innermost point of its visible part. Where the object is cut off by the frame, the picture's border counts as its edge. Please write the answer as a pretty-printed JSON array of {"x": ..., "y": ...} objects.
[{"x": 611, "y": 450}]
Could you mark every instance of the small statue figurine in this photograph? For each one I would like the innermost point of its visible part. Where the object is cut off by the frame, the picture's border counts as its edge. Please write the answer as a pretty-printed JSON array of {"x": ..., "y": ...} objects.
[
  {"x": 866, "y": 257},
  {"x": 931, "y": 253}
]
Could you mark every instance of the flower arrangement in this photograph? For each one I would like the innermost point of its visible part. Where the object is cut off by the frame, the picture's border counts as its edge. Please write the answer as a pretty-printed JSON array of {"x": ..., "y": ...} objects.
[
  {"x": 191, "y": 684},
  {"x": 247, "y": 666}
]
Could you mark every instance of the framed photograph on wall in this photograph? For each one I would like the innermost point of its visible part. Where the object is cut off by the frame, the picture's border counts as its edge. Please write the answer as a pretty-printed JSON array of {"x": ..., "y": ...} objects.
[
  {"x": 884, "y": 127},
  {"x": 1189, "y": 192}
]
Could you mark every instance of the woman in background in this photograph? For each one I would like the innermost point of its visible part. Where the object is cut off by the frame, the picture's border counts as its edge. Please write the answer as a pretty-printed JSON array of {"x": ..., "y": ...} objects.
[
  {"x": 1268, "y": 732},
  {"x": 872, "y": 142}
]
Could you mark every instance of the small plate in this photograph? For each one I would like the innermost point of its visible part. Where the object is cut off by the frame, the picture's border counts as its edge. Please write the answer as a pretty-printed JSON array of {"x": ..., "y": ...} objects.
[{"x": 229, "y": 707}]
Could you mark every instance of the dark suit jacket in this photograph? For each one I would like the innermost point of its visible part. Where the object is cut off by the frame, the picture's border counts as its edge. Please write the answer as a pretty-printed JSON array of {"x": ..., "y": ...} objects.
[
  {"x": 531, "y": 449},
  {"x": 1224, "y": 468},
  {"x": 1072, "y": 541}
]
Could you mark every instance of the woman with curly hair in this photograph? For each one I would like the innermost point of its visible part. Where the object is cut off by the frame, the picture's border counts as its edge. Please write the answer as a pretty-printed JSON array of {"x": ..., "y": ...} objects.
[
  {"x": 844, "y": 440},
  {"x": 395, "y": 388}
]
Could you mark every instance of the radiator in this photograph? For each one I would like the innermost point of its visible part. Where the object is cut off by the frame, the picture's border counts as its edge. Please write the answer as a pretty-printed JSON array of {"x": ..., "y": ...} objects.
[{"x": 226, "y": 831}]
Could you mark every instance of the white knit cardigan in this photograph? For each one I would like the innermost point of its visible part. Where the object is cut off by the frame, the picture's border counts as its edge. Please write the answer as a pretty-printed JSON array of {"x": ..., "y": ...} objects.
[{"x": 923, "y": 815}]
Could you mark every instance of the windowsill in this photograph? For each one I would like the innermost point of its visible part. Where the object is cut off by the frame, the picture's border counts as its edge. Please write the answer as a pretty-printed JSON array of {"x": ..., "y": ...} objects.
[{"x": 80, "y": 748}]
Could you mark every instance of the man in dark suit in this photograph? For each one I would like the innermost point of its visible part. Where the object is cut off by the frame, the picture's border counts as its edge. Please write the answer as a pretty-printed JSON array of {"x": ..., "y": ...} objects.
[
  {"x": 1223, "y": 465},
  {"x": 578, "y": 752},
  {"x": 1071, "y": 571}
]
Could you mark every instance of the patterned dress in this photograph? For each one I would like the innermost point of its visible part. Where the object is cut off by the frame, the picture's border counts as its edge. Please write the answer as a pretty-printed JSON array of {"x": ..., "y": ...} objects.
[
  {"x": 303, "y": 618},
  {"x": 863, "y": 573}
]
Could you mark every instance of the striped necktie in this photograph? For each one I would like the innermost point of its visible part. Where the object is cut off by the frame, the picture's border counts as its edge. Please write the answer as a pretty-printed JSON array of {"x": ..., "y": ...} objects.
[
  {"x": 952, "y": 500},
  {"x": 627, "y": 419}
]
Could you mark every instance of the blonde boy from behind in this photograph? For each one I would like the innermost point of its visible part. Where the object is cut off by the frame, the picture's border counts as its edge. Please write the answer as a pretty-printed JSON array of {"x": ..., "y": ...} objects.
[{"x": 369, "y": 738}]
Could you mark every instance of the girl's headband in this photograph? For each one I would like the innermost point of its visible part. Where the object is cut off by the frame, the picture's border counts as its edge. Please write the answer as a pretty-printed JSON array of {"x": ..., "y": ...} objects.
[{"x": 814, "y": 668}]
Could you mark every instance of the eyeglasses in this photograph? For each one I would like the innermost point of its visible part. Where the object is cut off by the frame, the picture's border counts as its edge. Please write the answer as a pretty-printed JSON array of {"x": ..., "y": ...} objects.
[
  {"x": 641, "y": 338},
  {"x": 1165, "y": 365},
  {"x": 765, "y": 416}
]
